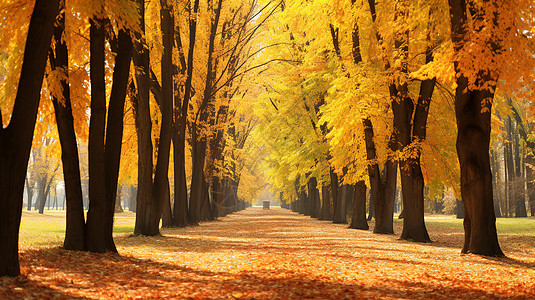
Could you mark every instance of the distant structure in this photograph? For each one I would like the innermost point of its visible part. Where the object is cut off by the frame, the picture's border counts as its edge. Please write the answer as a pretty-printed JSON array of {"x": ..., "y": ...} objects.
[{"x": 266, "y": 204}]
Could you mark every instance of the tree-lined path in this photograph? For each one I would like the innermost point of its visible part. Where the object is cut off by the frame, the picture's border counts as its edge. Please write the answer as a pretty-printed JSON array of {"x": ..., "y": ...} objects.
[{"x": 277, "y": 254}]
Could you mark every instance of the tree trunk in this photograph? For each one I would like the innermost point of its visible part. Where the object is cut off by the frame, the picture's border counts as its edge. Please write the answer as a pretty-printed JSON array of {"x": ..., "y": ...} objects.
[
  {"x": 16, "y": 138},
  {"x": 114, "y": 129},
  {"x": 75, "y": 223},
  {"x": 96, "y": 216},
  {"x": 146, "y": 205},
  {"x": 167, "y": 212},
  {"x": 313, "y": 195},
  {"x": 161, "y": 183},
  {"x": 358, "y": 220},
  {"x": 182, "y": 211},
  {"x": 473, "y": 113}
]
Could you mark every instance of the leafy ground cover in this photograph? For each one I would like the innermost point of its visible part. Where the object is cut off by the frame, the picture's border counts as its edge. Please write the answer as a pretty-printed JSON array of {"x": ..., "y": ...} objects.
[{"x": 272, "y": 254}]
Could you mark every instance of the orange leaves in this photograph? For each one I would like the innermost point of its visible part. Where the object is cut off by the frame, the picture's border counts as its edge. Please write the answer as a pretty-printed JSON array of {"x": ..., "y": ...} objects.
[{"x": 276, "y": 254}]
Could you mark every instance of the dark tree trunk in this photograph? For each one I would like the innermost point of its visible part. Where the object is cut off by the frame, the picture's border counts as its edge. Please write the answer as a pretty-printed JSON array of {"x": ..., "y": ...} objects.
[
  {"x": 181, "y": 211},
  {"x": 74, "y": 233},
  {"x": 377, "y": 188},
  {"x": 358, "y": 220},
  {"x": 114, "y": 129},
  {"x": 206, "y": 203},
  {"x": 313, "y": 195},
  {"x": 95, "y": 235},
  {"x": 167, "y": 211},
  {"x": 473, "y": 114},
  {"x": 146, "y": 206},
  {"x": 199, "y": 140},
  {"x": 495, "y": 182},
  {"x": 161, "y": 183},
  {"x": 325, "y": 203},
  {"x": 344, "y": 195},
  {"x": 16, "y": 138},
  {"x": 334, "y": 191}
]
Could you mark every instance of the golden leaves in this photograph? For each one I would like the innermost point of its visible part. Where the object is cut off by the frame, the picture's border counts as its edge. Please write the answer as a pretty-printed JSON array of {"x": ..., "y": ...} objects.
[{"x": 277, "y": 254}]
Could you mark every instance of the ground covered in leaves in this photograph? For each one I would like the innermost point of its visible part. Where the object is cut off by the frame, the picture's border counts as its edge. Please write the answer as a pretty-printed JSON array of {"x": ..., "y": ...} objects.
[{"x": 276, "y": 254}]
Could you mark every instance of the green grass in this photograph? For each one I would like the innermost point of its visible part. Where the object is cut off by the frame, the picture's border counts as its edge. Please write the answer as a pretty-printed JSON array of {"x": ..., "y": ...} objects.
[
  {"x": 48, "y": 229},
  {"x": 514, "y": 226}
]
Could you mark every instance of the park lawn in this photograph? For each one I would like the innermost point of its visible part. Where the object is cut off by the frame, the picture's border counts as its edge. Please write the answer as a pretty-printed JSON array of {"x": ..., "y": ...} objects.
[
  {"x": 48, "y": 229},
  {"x": 273, "y": 254}
]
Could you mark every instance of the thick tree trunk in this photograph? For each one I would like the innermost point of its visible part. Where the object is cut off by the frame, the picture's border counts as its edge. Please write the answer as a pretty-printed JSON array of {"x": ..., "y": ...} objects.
[
  {"x": 95, "y": 235},
  {"x": 75, "y": 223},
  {"x": 358, "y": 220},
  {"x": 16, "y": 138},
  {"x": 146, "y": 205},
  {"x": 473, "y": 114}
]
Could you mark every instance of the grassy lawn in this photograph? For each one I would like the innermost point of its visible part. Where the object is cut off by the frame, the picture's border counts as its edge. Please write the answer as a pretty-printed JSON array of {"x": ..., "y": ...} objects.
[{"x": 48, "y": 229}]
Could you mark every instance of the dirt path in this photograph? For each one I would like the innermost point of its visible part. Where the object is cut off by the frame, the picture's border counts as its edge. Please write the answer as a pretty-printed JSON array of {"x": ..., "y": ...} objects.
[{"x": 272, "y": 254}]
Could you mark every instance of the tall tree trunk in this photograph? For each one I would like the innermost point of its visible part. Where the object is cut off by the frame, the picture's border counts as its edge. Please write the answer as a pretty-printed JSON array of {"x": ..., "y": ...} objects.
[
  {"x": 114, "y": 129},
  {"x": 95, "y": 228},
  {"x": 16, "y": 138},
  {"x": 473, "y": 114},
  {"x": 518, "y": 181},
  {"x": 199, "y": 140},
  {"x": 75, "y": 223},
  {"x": 161, "y": 183},
  {"x": 146, "y": 206},
  {"x": 181, "y": 210}
]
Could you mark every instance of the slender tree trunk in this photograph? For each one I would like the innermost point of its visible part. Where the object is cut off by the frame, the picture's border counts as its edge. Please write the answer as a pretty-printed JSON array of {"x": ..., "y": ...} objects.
[
  {"x": 75, "y": 223},
  {"x": 183, "y": 217},
  {"x": 146, "y": 206},
  {"x": 16, "y": 138},
  {"x": 200, "y": 141},
  {"x": 114, "y": 129}
]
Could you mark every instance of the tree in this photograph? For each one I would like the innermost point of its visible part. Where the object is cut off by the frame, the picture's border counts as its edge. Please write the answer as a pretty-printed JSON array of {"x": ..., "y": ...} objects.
[{"x": 16, "y": 138}]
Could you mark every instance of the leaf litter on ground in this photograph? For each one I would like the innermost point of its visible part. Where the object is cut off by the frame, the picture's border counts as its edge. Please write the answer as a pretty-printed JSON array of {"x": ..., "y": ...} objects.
[{"x": 276, "y": 254}]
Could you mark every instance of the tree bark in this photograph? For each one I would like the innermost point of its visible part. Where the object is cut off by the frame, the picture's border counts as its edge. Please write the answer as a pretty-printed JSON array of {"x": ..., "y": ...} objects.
[
  {"x": 358, "y": 220},
  {"x": 181, "y": 210},
  {"x": 473, "y": 114},
  {"x": 161, "y": 183},
  {"x": 199, "y": 140},
  {"x": 16, "y": 138},
  {"x": 95, "y": 239},
  {"x": 75, "y": 223},
  {"x": 114, "y": 129},
  {"x": 146, "y": 205}
]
